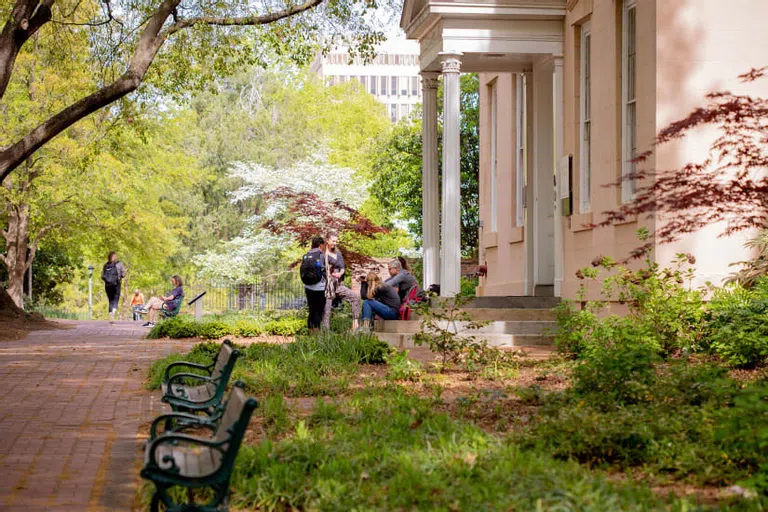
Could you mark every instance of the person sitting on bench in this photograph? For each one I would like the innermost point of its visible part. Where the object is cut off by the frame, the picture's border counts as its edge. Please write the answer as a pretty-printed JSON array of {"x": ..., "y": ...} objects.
[{"x": 168, "y": 302}]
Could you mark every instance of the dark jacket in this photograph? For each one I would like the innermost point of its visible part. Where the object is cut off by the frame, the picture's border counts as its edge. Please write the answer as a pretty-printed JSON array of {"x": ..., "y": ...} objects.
[{"x": 384, "y": 294}]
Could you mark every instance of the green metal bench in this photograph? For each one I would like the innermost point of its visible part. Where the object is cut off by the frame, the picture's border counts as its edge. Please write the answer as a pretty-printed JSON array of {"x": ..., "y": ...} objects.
[
  {"x": 170, "y": 313},
  {"x": 177, "y": 459},
  {"x": 207, "y": 391}
]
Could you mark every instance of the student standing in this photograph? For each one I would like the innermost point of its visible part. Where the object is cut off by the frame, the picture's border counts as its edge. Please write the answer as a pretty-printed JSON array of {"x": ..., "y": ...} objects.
[
  {"x": 337, "y": 268},
  {"x": 313, "y": 274},
  {"x": 112, "y": 274}
]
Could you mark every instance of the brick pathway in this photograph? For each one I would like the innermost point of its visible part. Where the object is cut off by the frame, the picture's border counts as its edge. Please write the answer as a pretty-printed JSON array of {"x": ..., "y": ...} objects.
[{"x": 71, "y": 402}]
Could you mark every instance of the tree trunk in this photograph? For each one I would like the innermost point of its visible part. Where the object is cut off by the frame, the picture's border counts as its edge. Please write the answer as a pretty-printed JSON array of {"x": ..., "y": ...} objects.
[{"x": 16, "y": 245}]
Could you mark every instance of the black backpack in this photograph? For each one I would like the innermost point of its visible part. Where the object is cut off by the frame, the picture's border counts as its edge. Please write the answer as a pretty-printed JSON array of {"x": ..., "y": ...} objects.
[
  {"x": 312, "y": 265},
  {"x": 110, "y": 275}
]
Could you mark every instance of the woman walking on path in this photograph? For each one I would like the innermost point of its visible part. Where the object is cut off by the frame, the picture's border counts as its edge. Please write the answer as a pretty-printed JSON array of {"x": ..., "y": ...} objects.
[{"x": 112, "y": 274}]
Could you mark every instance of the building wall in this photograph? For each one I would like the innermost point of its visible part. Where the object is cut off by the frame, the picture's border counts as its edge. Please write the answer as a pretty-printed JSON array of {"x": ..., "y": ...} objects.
[
  {"x": 396, "y": 61},
  {"x": 685, "y": 49},
  {"x": 503, "y": 248},
  {"x": 702, "y": 46},
  {"x": 581, "y": 244}
]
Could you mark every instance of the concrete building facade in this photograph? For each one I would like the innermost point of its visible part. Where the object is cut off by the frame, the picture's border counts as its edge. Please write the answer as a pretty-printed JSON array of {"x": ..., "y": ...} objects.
[
  {"x": 570, "y": 92},
  {"x": 393, "y": 76}
]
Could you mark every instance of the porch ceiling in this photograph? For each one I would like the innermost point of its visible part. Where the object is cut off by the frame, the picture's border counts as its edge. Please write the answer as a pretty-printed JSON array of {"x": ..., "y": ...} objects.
[{"x": 493, "y": 35}]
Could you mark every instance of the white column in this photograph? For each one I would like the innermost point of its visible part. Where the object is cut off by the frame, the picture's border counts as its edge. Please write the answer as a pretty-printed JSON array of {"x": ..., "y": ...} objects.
[
  {"x": 558, "y": 128},
  {"x": 450, "y": 270},
  {"x": 430, "y": 188}
]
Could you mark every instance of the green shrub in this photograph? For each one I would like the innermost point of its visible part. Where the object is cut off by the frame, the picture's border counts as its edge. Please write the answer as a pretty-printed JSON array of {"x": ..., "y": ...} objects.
[
  {"x": 402, "y": 368},
  {"x": 248, "y": 328},
  {"x": 693, "y": 424},
  {"x": 286, "y": 326},
  {"x": 215, "y": 330},
  {"x": 574, "y": 328},
  {"x": 740, "y": 325},
  {"x": 176, "y": 328},
  {"x": 618, "y": 366}
]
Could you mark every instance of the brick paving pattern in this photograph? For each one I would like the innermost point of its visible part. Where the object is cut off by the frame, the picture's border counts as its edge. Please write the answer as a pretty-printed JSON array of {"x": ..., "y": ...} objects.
[{"x": 71, "y": 403}]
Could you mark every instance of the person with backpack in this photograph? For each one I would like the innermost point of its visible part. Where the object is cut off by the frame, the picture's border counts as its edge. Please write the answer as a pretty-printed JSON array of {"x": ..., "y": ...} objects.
[
  {"x": 313, "y": 275},
  {"x": 112, "y": 274}
]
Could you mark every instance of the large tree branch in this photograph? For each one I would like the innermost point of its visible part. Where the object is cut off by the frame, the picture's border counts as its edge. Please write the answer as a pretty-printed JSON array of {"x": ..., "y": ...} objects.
[
  {"x": 264, "y": 19},
  {"x": 149, "y": 43},
  {"x": 26, "y": 18},
  {"x": 152, "y": 39}
]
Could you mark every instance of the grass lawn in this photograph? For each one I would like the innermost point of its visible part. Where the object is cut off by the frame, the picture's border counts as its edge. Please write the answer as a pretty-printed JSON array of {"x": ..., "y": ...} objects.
[{"x": 342, "y": 425}]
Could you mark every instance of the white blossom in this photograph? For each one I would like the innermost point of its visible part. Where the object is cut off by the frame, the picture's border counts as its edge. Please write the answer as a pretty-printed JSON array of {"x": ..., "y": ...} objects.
[
  {"x": 243, "y": 258},
  {"x": 315, "y": 175}
]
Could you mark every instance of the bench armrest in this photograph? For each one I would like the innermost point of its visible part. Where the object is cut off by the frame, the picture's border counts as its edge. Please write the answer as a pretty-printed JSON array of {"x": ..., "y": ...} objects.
[
  {"x": 208, "y": 368},
  {"x": 174, "y": 439},
  {"x": 178, "y": 376},
  {"x": 188, "y": 419}
]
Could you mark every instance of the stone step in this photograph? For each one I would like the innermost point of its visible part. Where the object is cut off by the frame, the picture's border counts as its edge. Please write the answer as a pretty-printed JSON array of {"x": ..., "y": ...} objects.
[
  {"x": 513, "y": 302},
  {"x": 405, "y": 340},
  {"x": 498, "y": 327},
  {"x": 507, "y": 315}
]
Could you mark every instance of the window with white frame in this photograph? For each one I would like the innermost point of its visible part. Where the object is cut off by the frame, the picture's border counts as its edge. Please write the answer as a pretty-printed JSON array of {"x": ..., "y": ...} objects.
[
  {"x": 585, "y": 122},
  {"x": 521, "y": 161},
  {"x": 629, "y": 98},
  {"x": 494, "y": 157},
  {"x": 393, "y": 113}
]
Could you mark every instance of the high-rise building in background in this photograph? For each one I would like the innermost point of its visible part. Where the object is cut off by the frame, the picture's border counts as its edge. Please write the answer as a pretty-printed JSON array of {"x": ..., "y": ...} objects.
[{"x": 393, "y": 76}]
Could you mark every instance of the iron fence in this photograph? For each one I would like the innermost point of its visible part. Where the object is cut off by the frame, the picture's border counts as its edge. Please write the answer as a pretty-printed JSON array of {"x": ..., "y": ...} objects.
[{"x": 226, "y": 297}]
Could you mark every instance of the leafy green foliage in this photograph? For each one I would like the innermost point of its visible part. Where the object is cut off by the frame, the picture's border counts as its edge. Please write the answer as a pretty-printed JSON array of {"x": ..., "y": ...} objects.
[
  {"x": 662, "y": 310},
  {"x": 403, "y": 368},
  {"x": 385, "y": 449},
  {"x": 740, "y": 324},
  {"x": 185, "y": 327},
  {"x": 440, "y": 331},
  {"x": 617, "y": 368},
  {"x": 396, "y": 168},
  {"x": 312, "y": 365},
  {"x": 691, "y": 423}
]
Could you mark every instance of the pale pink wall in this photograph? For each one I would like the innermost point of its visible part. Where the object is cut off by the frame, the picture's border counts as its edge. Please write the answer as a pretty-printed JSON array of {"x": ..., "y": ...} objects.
[
  {"x": 504, "y": 249},
  {"x": 686, "y": 48},
  {"x": 582, "y": 245},
  {"x": 702, "y": 47}
]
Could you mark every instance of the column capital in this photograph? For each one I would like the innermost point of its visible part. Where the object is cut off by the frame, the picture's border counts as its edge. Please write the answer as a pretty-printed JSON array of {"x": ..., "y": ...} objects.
[
  {"x": 451, "y": 61},
  {"x": 429, "y": 79}
]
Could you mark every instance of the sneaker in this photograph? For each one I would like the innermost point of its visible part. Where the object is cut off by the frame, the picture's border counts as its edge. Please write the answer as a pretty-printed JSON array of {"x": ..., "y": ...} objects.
[{"x": 148, "y": 324}]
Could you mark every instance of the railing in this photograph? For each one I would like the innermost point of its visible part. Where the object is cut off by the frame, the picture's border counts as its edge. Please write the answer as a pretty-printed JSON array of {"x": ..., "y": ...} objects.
[{"x": 219, "y": 298}]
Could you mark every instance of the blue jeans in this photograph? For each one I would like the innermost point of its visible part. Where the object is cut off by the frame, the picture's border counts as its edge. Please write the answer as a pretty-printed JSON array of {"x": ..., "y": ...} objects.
[{"x": 371, "y": 307}]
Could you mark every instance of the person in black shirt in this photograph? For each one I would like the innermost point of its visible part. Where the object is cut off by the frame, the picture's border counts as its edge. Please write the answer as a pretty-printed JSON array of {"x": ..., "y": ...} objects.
[
  {"x": 379, "y": 298},
  {"x": 112, "y": 274}
]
